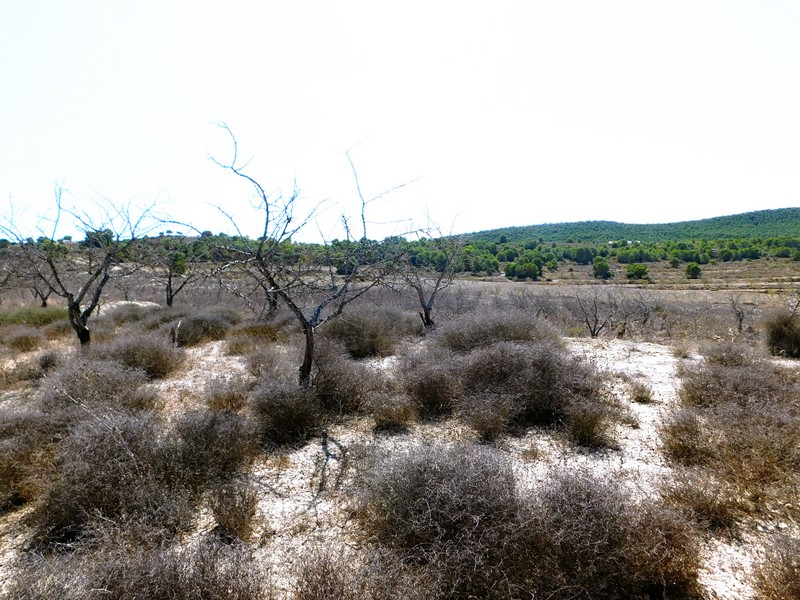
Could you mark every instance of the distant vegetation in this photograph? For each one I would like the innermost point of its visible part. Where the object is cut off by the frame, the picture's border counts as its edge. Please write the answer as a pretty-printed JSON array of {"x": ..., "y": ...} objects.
[{"x": 752, "y": 225}]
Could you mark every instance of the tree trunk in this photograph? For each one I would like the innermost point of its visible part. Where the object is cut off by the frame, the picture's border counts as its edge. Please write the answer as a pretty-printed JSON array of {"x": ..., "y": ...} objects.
[
  {"x": 308, "y": 357},
  {"x": 425, "y": 315},
  {"x": 81, "y": 330}
]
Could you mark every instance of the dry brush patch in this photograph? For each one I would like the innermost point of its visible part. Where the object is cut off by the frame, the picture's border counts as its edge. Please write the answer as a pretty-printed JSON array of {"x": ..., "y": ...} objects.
[{"x": 740, "y": 423}]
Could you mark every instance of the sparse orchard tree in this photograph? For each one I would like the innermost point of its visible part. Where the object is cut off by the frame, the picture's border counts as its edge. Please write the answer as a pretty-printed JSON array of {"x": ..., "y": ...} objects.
[
  {"x": 430, "y": 271},
  {"x": 79, "y": 273},
  {"x": 741, "y": 310},
  {"x": 594, "y": 309},
  {"x": 314, "y": 282},
  {"x": 174, "y": 262}
]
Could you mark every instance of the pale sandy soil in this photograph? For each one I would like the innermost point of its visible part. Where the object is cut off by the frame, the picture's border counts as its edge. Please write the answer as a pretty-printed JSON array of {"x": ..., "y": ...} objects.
[{"x": 306, "y": 500}]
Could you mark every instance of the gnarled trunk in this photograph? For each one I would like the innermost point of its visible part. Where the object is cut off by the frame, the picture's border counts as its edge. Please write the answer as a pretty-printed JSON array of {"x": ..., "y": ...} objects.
[{"x": 308, "y": 357}]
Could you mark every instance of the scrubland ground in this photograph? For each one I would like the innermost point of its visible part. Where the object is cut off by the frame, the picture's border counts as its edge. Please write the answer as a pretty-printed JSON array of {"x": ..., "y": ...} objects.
[{"x": 545, "y": 441}]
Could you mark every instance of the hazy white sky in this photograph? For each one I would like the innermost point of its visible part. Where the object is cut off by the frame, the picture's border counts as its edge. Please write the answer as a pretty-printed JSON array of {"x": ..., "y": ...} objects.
[{"x": 506, "y": 113}]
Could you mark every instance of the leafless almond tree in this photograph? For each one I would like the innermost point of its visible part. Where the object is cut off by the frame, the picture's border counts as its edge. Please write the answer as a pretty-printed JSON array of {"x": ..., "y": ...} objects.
[{"x": 77, "y": 272}]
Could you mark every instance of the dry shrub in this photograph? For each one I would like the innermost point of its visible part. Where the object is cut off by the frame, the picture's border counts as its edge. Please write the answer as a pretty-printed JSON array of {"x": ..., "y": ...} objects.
[
  {"x": 728, "y": 354},
  {"x": 686, "y": 438},
  {"x": 226, "y": 394},
  {"x": 128, "y": 312},
  {"x": 234, "y": 505},
  {"x": 27, "y": 438},
  {"x": 487, "y": 327},
  {"x": 94, "y": 383},
  {"x": 270, "y": 363},
  {"x": 713, "y": 384},
  {"x": 246, "y": 338},
  {"x": 116, "y": 469},
  {"x": 285, "y": 413},
  {"x": 641, "y": 393},
  {"x": 742, "y": 425},
  {"x": 391, "y": 411},
  {"x": 588, "y": 539},
  {"x": 370, "y": 331},
  {"x": 778, "y": 574},
  {"x": 149, "y": 352},
  {"x": 200, "y": 571},
  {"x": 546, "y": 385},
  {"x": 488, "y": 414},
  {"x": 453, "y": 510},
  {"x": 712, "y": 504},
  {"x": 455, "y": 515},
  {"x": 590, "y": 423},
  {"x": 22, "y": 338},
  {"x": 322, "y": 574},
  {"x": 200, "y": 329},
  {"x": 431, "y": 378},
  {"x": 341, "y": 384},
  {"x": 214, "y": 446},
  {"x": 783, "y": 334}
]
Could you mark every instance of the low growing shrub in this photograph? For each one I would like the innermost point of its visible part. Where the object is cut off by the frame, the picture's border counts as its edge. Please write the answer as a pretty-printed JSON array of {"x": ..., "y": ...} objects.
[
  {"x": 117, "y": 469},
  {"x": 778, "y": 574},
  {"x": 23, "y": 338},
  {"x": 234, "y": 506},
  {"x": 391, "y": 411},
  {"x": 484, "y": 328},
  {"x": 200, "y": 571},
  {"x": 452, "y": 509},
  {"x": 200, "y": 329},
  {"x": 783, "y": 334},
  {"x": 149, "y": 352},
  {"x": 431, "y": 378},
  {"x": 285, "y": 413}
]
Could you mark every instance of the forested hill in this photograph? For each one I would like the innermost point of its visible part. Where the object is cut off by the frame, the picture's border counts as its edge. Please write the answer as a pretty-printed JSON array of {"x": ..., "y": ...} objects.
[{"x": 757, "y": 224}]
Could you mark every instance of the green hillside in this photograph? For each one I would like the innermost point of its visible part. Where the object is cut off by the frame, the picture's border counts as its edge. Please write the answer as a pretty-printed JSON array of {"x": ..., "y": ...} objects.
[{"x": 782, "y": 222}]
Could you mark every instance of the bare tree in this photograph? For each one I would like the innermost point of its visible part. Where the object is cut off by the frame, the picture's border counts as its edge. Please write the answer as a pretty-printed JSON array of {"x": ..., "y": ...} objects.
[
  {"x": 314, "y": 282},
  {"x": 430, "y": 270},
  {"x": 78, "y": 273},
  {"x": 595, "y": 310},
  {"x": 741, "y": 310}
]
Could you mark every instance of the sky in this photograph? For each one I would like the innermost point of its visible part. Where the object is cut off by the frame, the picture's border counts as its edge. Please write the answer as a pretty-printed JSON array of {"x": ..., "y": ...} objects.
[{"x": 514, "y": 112}]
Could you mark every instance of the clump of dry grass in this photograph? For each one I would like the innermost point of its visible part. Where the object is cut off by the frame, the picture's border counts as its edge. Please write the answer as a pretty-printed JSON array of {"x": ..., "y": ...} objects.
[
  {"x": 22, "y": 338},
  {"x": 226, "y": 394},
  {"x": 712, "y": 504},
  {"x": 201, "y": 328},
  {"x": 778, "y": 574},
  {"x": 641, "y": 393},
  {"x": 234, "y": 506},
  {"x": 391, "y": 411},
  {"x": 739, "y": 422}
]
